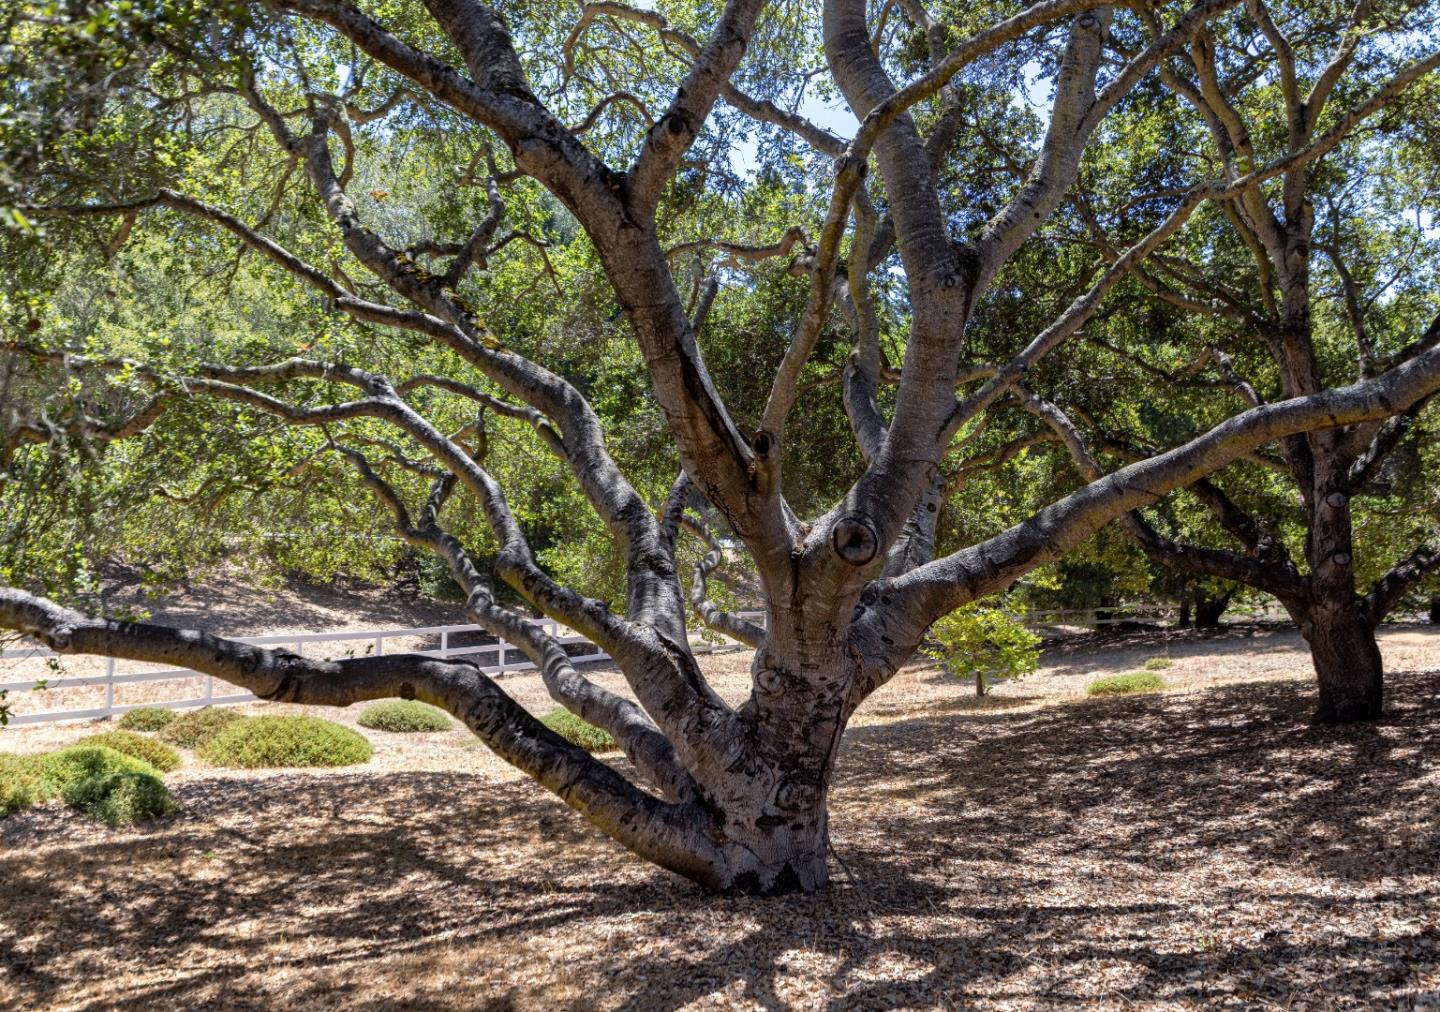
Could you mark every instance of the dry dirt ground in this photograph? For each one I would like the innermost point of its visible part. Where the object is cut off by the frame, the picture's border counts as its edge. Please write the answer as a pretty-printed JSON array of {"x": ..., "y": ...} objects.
[{"x": 1202, "y": 847}]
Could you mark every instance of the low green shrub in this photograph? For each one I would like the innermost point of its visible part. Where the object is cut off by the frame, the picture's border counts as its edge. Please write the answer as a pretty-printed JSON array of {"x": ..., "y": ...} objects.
[
  {"x": 96, "y": 779},
  {"x": 69, "y": 766},
  {"x": 404, "y": 716},
  {"x": 121, "y": 798},
  {"x": 22, "y": 783},
  {"x": 147, "y": 718},
  {"x": 1158, "y": 663},
  {"x": 579, "y": 732},
  {"x": 1135, "y": 681},
  {"x": 271, "y": 742},
  {"x": 194, "y": 729},
  {"x": 157, "y": 754}
]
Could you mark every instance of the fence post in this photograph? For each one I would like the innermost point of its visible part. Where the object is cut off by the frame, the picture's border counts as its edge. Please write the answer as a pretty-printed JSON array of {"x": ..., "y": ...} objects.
[
  {"x": 379, "y": 646},
  {"x": 444, "y": 643},
  {"x": 500, "y": 657},
  {"x": 109, "y": 687}
]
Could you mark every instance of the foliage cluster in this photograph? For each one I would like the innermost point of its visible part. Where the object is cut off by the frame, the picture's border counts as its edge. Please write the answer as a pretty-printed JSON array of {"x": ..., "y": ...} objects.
[
  {"x": 121, "y": 798},
  {"x": 116, "y": 788},
  {"x": 157, "y": 754},
  {"x": 147, "y": 718},
  {"x": 22, "y": 782},
  {"x": 276, "y": 742},
  {"x": 196, "y": 727},
  {"x": 579, "y": 732},
  {"x": 404, "y": 716},
  {"x": 984, "y": 641},
  {"x": 1117, "y": 685}
]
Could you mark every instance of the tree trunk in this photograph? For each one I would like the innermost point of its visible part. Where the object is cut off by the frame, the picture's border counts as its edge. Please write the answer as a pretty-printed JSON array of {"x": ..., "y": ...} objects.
[
  {"x": 1435, "y": 609},
  {"x": 768, "y": 804},
  {"x": 1105, "y": 612},
  {"x": 1347, "y": 664},
  {"x": 1183, "y": 622},
  {"x": 772, "y": 825},
  {"x": 1208, "y": 611},
  {"x": 786, "y": 854}
]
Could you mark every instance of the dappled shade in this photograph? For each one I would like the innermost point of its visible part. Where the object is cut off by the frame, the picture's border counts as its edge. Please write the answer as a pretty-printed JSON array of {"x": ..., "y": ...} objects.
[{"x": 1205, "y": 847}]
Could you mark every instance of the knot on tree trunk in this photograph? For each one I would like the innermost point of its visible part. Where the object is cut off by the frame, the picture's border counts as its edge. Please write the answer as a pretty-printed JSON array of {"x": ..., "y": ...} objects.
[{"x": 855, "y": 541}]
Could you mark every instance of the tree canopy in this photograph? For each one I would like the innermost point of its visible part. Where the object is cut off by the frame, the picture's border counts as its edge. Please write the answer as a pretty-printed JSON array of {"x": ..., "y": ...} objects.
[{"x": 909, "y": 299}]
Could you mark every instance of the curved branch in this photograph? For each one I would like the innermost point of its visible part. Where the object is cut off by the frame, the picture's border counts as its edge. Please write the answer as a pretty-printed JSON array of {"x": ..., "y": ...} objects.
[
  {"x": 636, "y": 733},
  {"x": 659, "y": 669},
  {"x": 990, "y": 566},
  {"x": 1390, "y": 588},
  {"x": 663, "y": 833},
  {"x": 716, "y": 618},
  {"x": 1263, "y": 573}
]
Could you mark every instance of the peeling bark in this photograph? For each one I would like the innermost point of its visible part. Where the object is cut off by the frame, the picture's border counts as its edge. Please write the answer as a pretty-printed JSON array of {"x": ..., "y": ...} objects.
[{"x": 849, "y": 594}]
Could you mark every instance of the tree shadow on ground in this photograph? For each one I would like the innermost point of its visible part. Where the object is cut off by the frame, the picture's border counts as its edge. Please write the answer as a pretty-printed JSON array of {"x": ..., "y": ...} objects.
[{"x": 1210, "y": 848}]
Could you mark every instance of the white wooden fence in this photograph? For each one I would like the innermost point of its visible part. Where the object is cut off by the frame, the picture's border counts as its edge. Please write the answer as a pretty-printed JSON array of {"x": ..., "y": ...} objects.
[{"x": 507, "y": 658}]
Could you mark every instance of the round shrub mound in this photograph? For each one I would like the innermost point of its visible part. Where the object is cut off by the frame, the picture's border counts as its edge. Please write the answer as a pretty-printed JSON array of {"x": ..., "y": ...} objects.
[
  {"x": 194, "y": 729},
  {"x": 161, "y": 756},
  {"x": 1135, "y": 681},
  {"x": 121, "y": 799},
  {"x": 1158, "y": 663},
  {"x": 22, "y": 783},
  {"x": 67, "y": 767},
  {"x": 579, "y": 732},
  {"x": 147, "y": 718},
  {"x": 404, "y": 716},
  {"x": 270, "y": 742},
  {"x": 99, "y": 781}
]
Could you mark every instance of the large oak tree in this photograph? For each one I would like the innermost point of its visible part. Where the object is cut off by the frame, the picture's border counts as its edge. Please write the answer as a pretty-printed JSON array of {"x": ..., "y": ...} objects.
[{"x": 620, "y": 114}]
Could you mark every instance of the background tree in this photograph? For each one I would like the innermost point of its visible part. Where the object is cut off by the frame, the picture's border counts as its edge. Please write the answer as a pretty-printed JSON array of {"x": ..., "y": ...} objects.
[
  {"x": 429, "y": 341},
  {"x": 1318, "y": 280}
]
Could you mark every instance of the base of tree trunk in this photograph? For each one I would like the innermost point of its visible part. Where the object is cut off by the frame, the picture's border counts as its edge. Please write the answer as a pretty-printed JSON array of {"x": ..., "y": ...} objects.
[
  {"x": 1348, "y": 666},
  {"x": 1435, "y": 610},
  {"x": 767, "y": 873},
  {"x": 1209, "y": 610}
]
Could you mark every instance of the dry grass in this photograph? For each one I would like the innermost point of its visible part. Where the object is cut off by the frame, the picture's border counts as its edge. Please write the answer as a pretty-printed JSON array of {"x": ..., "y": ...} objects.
[{"x": 1204, "y": 848}]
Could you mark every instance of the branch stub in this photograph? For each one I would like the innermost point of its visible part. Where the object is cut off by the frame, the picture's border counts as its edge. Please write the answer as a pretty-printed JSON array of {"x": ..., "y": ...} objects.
[{"x": 855, "y": 541}]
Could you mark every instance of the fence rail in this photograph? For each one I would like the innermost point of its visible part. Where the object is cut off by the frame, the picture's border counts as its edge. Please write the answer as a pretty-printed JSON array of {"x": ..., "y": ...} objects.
[{"x": 217, "y": 692}]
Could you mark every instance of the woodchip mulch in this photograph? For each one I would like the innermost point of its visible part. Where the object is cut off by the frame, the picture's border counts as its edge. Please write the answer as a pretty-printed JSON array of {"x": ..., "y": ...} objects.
[{"x": 1202, "y": 848}]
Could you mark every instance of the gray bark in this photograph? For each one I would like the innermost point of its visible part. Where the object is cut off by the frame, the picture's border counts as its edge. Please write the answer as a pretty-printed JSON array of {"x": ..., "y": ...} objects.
[{"x": 849, "y": 595}]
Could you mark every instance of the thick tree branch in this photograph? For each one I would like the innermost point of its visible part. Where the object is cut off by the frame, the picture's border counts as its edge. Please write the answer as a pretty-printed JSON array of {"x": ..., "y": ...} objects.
[
  {"x": 661, "y": 832},
  {"x": 632, "y": 728},
  {"x": 1263, "y": 573},
  {"x": 1406, "y": 574},
  {"x": 990, "y": 566}
]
